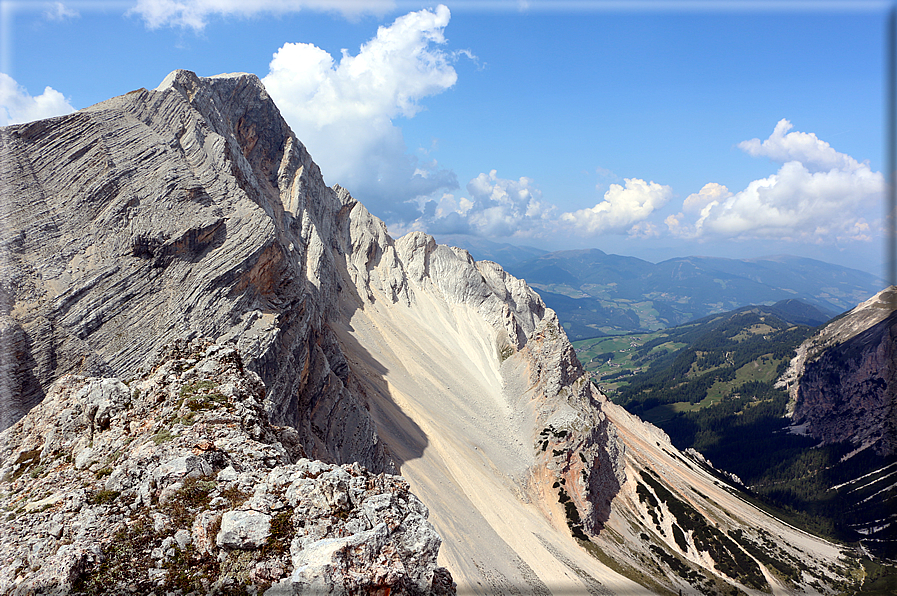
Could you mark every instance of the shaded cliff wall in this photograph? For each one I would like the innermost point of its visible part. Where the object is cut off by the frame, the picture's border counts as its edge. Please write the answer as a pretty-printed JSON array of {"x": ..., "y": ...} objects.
[{"x": 848, "y": 392}]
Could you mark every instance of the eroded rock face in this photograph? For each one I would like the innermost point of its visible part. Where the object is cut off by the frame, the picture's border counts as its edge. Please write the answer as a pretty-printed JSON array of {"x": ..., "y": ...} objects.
[
  {"x": 190, "y": 210},
  {"x": 177, "y": 481},
  {"x": 577, "y": 446},
  {"x": 844, "y": 379},
  {"x": 848, "y": 392}
]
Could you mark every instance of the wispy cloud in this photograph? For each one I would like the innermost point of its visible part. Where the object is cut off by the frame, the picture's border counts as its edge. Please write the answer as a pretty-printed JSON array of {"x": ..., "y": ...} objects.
[
  {"x": 17, "y": 106},
  {"x": 195, "y": 14},
  {"x": 57, "y": 11}
]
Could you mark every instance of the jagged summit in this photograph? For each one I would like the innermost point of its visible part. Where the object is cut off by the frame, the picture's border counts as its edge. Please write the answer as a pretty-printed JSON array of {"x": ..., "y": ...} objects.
[
  {"x": 179, "y": 77},
  {"x": 192, "y": 210}
]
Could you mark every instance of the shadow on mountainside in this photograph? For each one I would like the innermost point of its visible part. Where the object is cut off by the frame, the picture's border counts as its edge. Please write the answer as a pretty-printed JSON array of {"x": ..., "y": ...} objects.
[
  {"x": 405, "y": 440},
  {"x": 403, "y": 437}
]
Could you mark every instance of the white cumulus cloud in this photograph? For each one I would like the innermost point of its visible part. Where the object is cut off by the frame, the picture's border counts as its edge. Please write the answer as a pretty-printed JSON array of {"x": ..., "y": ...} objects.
[
  {"x": 195, "y": 14},
  {"x": 343, "y": 110},
  {"x": 17, "y": 106},
  {"x": 794, "y": 204},
  {"x": 496, "y": 207},
  {"x": 708, "y": 194},
  {"x": 505, "y": 207},
  {"x": 621, "y": 208},
  {"x": 815, "y": 154},
  {"x": 817, "y": 195}
]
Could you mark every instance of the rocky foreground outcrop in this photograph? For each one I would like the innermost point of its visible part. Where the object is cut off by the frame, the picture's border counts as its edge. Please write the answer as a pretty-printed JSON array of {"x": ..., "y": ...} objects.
[{"x": 176, "y": 482}]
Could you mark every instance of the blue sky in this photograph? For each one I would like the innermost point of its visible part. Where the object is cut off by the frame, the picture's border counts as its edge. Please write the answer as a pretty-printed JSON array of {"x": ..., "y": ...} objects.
[{"x": 652, "y": 129}]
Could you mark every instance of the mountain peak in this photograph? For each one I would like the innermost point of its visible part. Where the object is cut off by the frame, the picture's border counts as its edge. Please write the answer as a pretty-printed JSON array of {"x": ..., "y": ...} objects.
[{"x": 181, "y": 79}]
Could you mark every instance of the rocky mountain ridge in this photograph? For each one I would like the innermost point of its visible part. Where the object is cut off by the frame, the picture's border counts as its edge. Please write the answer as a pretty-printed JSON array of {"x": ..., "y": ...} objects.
[
  {"x": 193, "y": 211},
  {"x": 107, "y": 257}
]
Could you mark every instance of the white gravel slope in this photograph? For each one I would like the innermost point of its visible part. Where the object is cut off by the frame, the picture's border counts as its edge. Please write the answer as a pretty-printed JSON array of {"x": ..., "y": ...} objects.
[{"x": 436, "y": 392}]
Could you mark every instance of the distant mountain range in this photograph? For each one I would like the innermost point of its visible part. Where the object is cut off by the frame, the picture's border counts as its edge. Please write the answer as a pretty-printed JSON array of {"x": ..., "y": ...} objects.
[
  {"x": 595, "y": 293},
  {"x": 486, "y": 250}
]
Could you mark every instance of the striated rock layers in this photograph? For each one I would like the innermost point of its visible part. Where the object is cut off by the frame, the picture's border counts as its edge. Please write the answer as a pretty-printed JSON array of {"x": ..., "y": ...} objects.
[
  {"x": 193, "y": 211},
  {"x": 177, "y": 482},
  {"x": 190, "y": 210},
  {"x": 843, "y": 380}
]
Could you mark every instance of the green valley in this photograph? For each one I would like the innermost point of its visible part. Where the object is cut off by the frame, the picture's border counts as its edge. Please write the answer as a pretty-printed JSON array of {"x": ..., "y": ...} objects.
[{"x": 710, "y": 385}]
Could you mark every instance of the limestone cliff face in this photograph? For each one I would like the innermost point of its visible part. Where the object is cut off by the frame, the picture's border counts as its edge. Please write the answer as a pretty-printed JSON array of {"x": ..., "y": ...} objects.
[
  {"x": 844, "y": 379},
  {"x": 189, "y": 210}
]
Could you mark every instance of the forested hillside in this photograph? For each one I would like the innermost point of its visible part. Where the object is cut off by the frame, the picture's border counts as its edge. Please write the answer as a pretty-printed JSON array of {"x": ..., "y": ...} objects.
[{"x": 710, "y": 385}]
